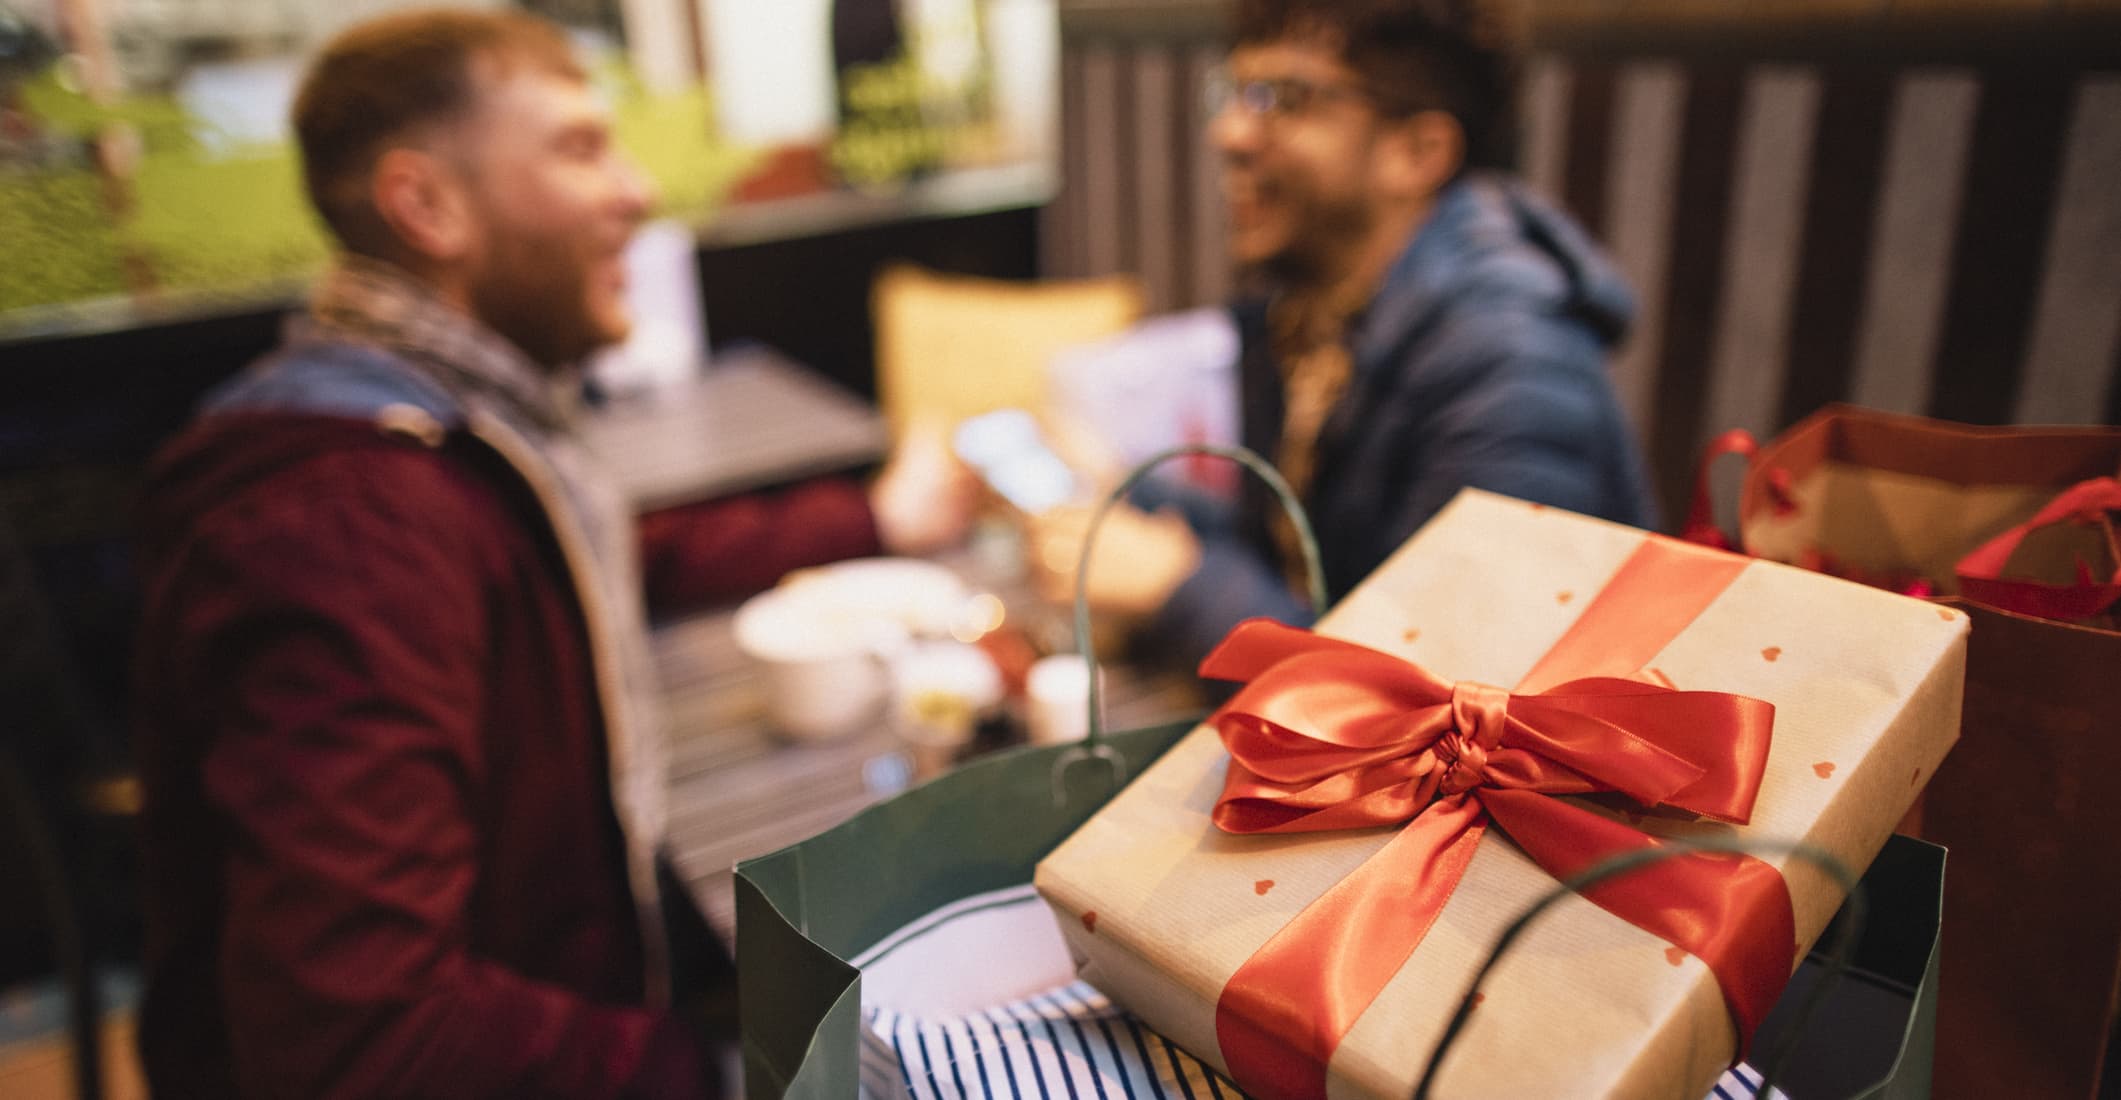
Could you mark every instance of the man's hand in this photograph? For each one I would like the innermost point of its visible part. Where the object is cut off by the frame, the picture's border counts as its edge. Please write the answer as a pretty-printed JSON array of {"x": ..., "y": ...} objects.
[
  {"x": 1139, "y": 561},
  {"x": 924, "y": 499}
]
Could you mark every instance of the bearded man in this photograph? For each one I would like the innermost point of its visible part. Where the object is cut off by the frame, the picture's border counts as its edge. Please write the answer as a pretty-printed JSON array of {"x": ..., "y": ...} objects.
[
  {"x": 405, "y": 783},
  {"x": 1421, "y": 322}
]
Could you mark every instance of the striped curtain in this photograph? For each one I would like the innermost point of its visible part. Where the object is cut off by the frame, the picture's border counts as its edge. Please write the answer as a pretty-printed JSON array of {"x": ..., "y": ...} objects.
[
  {"x": 1937, "y": 239},
  {"x": 1139, "y": 192}
]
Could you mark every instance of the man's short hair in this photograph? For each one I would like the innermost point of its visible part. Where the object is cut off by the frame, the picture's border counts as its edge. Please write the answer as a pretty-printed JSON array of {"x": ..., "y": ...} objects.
[
  {"x": 381, "y": 81},
  {"x": 1456, "y": 56}
]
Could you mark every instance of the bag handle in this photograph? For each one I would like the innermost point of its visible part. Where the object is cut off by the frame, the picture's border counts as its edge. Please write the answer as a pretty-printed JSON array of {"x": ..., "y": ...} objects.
[
  {"x": 1093, "y": 746},
  {"x": 1981, "y": 573},
  {"x": 1854, "y": 911},
  {"x": 1700, "y": 525}
]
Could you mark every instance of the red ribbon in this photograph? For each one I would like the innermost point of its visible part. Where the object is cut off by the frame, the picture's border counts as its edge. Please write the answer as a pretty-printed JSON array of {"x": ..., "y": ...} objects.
[
  {"x": 1981, "y": 572},
  {"x": 1331, "y": 735},
  {"x": 1700, "y": 523}
]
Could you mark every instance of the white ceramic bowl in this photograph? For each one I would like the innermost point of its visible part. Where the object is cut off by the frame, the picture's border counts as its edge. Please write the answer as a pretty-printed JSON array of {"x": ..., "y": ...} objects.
[{"x": 826, "y": 637}]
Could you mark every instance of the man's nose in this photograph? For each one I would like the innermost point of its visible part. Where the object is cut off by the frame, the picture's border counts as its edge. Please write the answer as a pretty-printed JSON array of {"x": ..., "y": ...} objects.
[
  {"x": 637, "y": 192},
  {"x": 1235, "y": 129}
]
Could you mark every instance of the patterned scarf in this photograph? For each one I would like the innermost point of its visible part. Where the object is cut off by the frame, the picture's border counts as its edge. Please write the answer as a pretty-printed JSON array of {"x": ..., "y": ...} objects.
[{"x": 1309, "y": 339}]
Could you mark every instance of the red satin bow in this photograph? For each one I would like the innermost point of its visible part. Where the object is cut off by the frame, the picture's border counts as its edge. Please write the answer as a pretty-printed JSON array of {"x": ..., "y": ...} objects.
[{"x": 1331, "y": 735}]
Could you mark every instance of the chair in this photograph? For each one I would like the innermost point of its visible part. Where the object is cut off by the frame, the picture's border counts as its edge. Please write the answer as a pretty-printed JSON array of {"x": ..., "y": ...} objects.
[
  {"x": 952, "y": 346},
  {"x": 46, "y": 922},
  {"x": 49, "y": 900}
]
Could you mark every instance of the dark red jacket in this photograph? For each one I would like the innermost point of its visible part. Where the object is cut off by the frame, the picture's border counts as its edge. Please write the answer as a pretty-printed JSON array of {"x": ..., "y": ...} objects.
[{"x": 382, "y": 857}]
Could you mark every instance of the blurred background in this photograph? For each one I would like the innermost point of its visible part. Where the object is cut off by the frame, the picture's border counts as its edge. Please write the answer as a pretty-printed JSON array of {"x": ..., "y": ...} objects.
[
  {"x": 1813, "y": 197},
  {"x": 1913, "y": 205}
]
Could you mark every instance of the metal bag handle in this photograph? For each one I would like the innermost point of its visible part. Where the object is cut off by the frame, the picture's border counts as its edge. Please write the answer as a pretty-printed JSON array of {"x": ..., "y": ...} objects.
[
  {"x": 1093, "y": 746},
  {"x": 1627, "y": 862}
]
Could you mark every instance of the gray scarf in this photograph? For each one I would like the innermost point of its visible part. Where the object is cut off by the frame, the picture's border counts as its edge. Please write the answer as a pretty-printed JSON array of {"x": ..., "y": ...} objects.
[{"x": 523, "y": 412}]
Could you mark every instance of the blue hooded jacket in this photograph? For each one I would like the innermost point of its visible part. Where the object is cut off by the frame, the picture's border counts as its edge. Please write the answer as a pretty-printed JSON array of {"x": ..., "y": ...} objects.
[{"x": 1481, "y": 363}]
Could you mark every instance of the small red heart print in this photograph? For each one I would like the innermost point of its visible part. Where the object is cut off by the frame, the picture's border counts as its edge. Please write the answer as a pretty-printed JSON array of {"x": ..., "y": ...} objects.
[
  {"x": 1262, "y": 886},
  {"x": 1409, "y": 635},
  {"x": 1771, "y": 652},
  {"x": 1564, "y": 596},
  {"x": 1090, "y": 922},
  {"x": 1675, "y": 955},
  {"x": 1945, "y": 614},
  {"x": 1823, "y": 769}
]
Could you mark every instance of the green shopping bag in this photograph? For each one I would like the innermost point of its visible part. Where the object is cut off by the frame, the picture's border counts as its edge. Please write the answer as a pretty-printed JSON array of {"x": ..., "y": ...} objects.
[
  {"x": 806, "y": 909},
  {"x": 1858, "y": 1019},
  {"x": 1874, "y": 1035}
]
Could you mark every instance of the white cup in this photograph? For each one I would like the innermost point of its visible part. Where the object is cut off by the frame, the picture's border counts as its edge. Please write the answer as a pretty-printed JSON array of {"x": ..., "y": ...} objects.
[
  {"x": 940, "y": 689},
  {"x": 1057, "y": 699}
]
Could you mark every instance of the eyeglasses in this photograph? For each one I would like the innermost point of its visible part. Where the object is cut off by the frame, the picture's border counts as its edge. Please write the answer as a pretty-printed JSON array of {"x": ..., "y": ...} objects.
[{"x": 1274, "y": 97}]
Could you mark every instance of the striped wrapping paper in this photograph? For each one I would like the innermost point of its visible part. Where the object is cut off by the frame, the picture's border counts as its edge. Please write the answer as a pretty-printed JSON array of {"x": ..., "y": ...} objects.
[{"x": 945, "y": 1022}]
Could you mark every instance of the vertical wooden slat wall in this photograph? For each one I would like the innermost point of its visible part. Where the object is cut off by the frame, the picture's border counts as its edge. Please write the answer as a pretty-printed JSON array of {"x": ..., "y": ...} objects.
[
  {"x": 1848, "y": 143},
  {"x": 1929, "y": 235}
]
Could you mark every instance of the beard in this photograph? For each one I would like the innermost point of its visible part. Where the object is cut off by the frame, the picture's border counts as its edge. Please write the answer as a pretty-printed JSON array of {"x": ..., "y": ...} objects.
[
  {"x": 1315, "y": 236},
  {"x": 535, "y": 291}
]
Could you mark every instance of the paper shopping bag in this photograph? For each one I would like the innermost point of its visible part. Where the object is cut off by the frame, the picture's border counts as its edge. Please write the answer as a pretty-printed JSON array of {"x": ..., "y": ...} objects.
[
  {"x": 806, "y": 909},
  {"x": 2031, "y": 961}
]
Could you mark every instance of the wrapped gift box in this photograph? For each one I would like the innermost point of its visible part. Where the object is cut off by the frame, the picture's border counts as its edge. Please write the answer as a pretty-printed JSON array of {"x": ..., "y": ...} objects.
[{"x": 1160, "y": 907}]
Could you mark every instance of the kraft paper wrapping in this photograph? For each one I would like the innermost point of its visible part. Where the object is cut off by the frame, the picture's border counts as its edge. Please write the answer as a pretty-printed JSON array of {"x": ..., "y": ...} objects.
[{"x": 1160, "y": 908}]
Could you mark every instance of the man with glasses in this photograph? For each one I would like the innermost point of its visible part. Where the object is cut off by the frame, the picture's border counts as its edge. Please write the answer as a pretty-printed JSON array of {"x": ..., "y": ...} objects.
[{"x": 1415, "y": 320}]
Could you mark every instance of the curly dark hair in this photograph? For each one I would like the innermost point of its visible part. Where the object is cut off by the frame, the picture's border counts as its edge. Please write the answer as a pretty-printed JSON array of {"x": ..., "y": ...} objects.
[{"x": 1456, "y": 56}]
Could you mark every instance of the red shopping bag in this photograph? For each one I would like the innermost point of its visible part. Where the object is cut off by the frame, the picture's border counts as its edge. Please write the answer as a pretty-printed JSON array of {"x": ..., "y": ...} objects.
[{"x": 2015, "y": 526}]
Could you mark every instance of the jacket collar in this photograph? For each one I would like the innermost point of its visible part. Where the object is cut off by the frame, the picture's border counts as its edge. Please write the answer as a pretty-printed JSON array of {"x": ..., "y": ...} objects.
[
  {"x": 1491, "y": 238},
  {"x": 367, "y": 301}
]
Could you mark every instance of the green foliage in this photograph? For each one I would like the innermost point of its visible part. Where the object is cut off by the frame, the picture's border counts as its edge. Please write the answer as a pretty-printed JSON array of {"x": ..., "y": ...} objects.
[
  {"x": 162, "y": 123},
  {"x": 225, "y": 224},
  {"x": 58, "y": 242},
  {"x": 673, "y": 139},
  {"x": 239, "y": 221},
  {"x": 899, "y": 124}
]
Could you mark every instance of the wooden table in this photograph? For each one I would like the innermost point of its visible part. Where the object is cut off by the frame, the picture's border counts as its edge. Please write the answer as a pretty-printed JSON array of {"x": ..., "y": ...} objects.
[
  {"x": 752, "y": 418},
  {"x": 739, "y": 790}
]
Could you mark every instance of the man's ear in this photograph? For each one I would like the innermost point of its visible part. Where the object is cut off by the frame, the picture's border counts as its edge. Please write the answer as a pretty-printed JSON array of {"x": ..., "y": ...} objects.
[
  {"x": 423, "y": 201},
  {"x": 1418, "y": 155}
]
